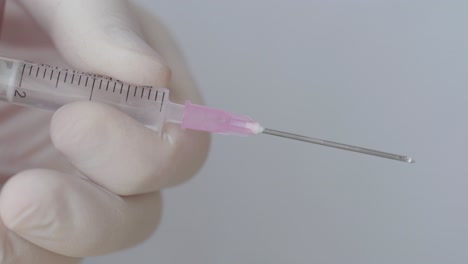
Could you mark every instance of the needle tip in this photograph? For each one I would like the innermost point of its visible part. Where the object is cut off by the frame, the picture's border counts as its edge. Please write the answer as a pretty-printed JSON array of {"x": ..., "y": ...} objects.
[{"x": 410, "y": 160}]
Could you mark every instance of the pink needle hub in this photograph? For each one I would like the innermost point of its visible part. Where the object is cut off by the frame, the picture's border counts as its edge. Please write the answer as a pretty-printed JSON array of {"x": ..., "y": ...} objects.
[{"x": 202, "y": 118}]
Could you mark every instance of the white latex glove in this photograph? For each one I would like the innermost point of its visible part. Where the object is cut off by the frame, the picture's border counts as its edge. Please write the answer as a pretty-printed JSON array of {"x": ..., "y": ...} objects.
[{"x": 98, "y": 187}]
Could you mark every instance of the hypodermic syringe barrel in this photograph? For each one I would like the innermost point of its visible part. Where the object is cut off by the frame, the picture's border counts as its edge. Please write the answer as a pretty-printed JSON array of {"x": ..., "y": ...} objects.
[{"x": 47, "y": 87}]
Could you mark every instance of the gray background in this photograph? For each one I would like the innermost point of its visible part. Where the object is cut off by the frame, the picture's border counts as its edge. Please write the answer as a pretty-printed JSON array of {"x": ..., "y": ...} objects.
[{"x": 384, "y": 74}]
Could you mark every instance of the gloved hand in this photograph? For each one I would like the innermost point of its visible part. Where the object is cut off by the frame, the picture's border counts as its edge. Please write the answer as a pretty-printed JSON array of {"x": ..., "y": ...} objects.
[{"x": 97, "y": 189}]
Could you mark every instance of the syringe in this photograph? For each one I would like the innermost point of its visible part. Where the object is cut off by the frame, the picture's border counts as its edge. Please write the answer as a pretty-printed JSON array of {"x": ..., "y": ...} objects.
[{"x": 47, "y": 87}]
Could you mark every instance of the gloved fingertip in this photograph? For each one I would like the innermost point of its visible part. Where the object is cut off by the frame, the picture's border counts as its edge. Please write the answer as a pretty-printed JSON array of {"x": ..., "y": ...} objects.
[
  {"x": 107, "y": 42},
  {"x": 78, "y": 129},
  {"x": 20, "y": 199}
]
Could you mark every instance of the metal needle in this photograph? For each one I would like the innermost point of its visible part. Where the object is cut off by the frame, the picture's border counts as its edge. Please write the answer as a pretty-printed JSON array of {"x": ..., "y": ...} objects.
[{"x": 338, "y": 145}]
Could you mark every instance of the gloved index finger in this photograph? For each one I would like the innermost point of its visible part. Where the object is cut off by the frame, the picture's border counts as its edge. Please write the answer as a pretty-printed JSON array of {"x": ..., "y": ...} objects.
[{"x": 100, "y": 37}]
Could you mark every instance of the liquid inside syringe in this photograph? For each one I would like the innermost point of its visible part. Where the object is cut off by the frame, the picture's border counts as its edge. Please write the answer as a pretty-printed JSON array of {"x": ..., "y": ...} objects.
[{"x": 46, "y": 87}]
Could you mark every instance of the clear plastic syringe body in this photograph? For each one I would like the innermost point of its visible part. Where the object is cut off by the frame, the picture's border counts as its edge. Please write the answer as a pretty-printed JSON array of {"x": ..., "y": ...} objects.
[{"x": 46, "y": 87}]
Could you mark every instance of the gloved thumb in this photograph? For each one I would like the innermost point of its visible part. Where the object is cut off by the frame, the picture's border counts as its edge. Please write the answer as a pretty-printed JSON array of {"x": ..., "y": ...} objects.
[{"x": 100, "y": 37}]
